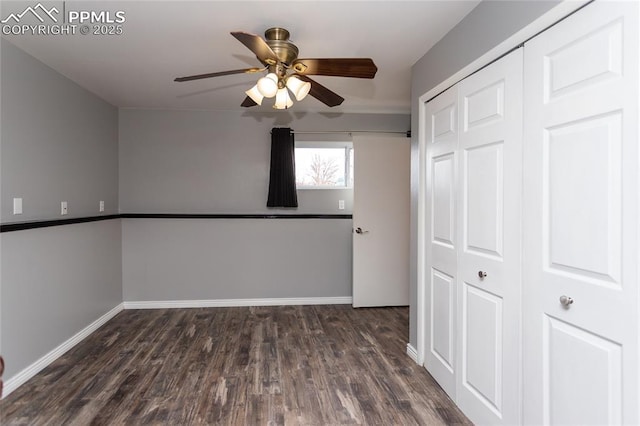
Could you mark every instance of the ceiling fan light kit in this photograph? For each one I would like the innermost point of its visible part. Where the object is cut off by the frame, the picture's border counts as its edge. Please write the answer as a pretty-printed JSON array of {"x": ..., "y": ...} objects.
[
  {"x": 255, "y": 95},
  {"x": 285, "y": 72},
  {"x": 299, "y": 88},
  {"x": 268, "y": 85},
  {"x": 283, "y": 101}
]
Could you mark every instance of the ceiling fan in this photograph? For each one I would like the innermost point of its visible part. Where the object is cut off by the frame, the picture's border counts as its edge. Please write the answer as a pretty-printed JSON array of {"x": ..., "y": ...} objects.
[{"x": 286, "y": 72}]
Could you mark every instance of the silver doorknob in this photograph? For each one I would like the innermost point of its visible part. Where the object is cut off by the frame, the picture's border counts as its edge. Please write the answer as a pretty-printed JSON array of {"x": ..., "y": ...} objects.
[
  {"x": 360, "y": 231},
  {"x": 482, "y": 274},
  {"x": 565, "y": 301}
]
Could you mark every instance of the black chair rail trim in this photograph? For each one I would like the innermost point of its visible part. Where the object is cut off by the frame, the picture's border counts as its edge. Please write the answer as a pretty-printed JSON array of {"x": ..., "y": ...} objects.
[{"x": 22, "y": 226}]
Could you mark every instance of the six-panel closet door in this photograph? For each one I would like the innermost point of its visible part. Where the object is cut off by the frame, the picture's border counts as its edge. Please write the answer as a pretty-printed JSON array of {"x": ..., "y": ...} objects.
[
  {"x": 571, "y": 168},
  {"x": 441, "y": 251},
  {"x": 473, "y": 193},
  {"x": 489, "y": 224},
  {"x": 581, "y": 359}
]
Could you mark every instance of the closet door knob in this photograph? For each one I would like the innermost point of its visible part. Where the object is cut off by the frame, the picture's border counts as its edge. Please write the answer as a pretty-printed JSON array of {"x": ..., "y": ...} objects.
[
  {"x": 566, "y": 301},
  {"x": 482, "y": 274}
]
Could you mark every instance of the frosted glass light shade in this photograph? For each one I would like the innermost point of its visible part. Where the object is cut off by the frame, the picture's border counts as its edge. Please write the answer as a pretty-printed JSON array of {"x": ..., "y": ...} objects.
[
  {"x": 299, "y": 88},
  {"x": 254, "y": 93},
  {"x": 268, "y": 85},
  {"x": 283, "y": 101}
]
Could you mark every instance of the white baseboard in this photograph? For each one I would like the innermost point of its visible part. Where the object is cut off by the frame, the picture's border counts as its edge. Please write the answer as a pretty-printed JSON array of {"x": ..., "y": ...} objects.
[
  {"x": 16, "y": 381},
  {"x": 219, "y": 303},
  {"x": 412, "y": 352}
]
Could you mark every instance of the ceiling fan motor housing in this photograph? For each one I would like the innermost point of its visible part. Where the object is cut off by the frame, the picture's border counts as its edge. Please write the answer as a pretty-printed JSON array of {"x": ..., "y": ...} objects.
[{"x": 278, "y": 40}]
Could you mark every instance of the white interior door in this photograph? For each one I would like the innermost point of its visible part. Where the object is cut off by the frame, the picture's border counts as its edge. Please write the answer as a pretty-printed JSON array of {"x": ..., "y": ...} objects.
[
  {"x": 381, "y": 203},
  {"x": 440, "y": 122},
  {"x": 489, "y": 223},
  {"x": 581, "y": 219}
]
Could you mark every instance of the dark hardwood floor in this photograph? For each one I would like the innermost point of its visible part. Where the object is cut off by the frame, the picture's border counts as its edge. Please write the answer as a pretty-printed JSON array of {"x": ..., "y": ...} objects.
[{"x": 307, "y": 365}]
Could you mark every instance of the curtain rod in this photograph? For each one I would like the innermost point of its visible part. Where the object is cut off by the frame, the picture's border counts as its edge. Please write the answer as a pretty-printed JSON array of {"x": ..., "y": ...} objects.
[{"x": 348, "y": 132}]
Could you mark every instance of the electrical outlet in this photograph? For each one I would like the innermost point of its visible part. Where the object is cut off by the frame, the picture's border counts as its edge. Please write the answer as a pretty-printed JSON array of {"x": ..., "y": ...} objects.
[
  {"x": 63, "y": 208},
  {"x": 340, "y": 204},
  {"x": 101, "y": 206},
  {"x": 17, "y": 206}
]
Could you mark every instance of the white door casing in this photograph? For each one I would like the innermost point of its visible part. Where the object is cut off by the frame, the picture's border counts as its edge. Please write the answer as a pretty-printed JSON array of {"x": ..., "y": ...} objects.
[
  {"x": 381, "y": 207},
  {"x": 489, "y": 223},
  {"x": 581, "y": 219}
]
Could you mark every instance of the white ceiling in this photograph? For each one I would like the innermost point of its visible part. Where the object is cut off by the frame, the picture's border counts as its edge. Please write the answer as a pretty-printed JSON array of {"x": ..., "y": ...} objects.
[{"x": 162, "y": 40}]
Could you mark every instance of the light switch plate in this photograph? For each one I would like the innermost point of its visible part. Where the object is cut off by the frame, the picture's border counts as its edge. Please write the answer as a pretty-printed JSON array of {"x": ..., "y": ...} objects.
[
  {"x": 17, "y": 206},
  {"x": 101, "y": 205},
  {"x": 340, "y": 204},
  {"x": 63, "y": 208}
]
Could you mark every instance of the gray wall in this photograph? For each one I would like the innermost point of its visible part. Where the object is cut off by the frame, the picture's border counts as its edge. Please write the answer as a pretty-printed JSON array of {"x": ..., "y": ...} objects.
[
  {"x": 235, "y": 258},
  {"x": 486, "y": 26},
  {"x": 58, "y": 142},
  {"x": 55, "y": 282},
  {"x": 218, "y": 162}
]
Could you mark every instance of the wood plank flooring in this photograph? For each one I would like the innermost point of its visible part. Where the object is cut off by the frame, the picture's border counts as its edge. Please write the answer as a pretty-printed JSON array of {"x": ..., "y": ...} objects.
[{"x": 294, "y": 365}]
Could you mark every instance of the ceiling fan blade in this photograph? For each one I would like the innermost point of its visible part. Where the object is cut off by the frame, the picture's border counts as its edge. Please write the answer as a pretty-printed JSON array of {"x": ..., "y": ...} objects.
[
  {"x": 258, "y": 46},
  {"x": 321, "y": 93},
  {"x": 248, "y": 102},
  {"x": 218, "y": 74},
  {"x": 337, "y": 67}
]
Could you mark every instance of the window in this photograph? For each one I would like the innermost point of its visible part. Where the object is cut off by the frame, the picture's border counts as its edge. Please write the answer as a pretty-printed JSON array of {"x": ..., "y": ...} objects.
[{"x": 324, "y": 165}]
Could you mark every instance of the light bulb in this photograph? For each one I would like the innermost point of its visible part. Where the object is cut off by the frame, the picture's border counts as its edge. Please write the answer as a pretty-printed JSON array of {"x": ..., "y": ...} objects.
[
  {"x": 268, "y": 85},
  {"x": 299, "y": 88},
  {"x": 283, "y": 101},
  {"x": 255, "y": 95}
]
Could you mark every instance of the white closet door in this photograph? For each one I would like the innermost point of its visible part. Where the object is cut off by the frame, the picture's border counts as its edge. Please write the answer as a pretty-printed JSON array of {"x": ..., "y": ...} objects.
[
  {"x": 581, "y": 219},
  {"x": 441, "y": 247},
  {"x": 489, "y": 223}
]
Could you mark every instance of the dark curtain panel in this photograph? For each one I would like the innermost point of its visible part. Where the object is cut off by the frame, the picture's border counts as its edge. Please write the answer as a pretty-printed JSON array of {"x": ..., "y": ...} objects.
[{"x": 282, "y": 176}]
